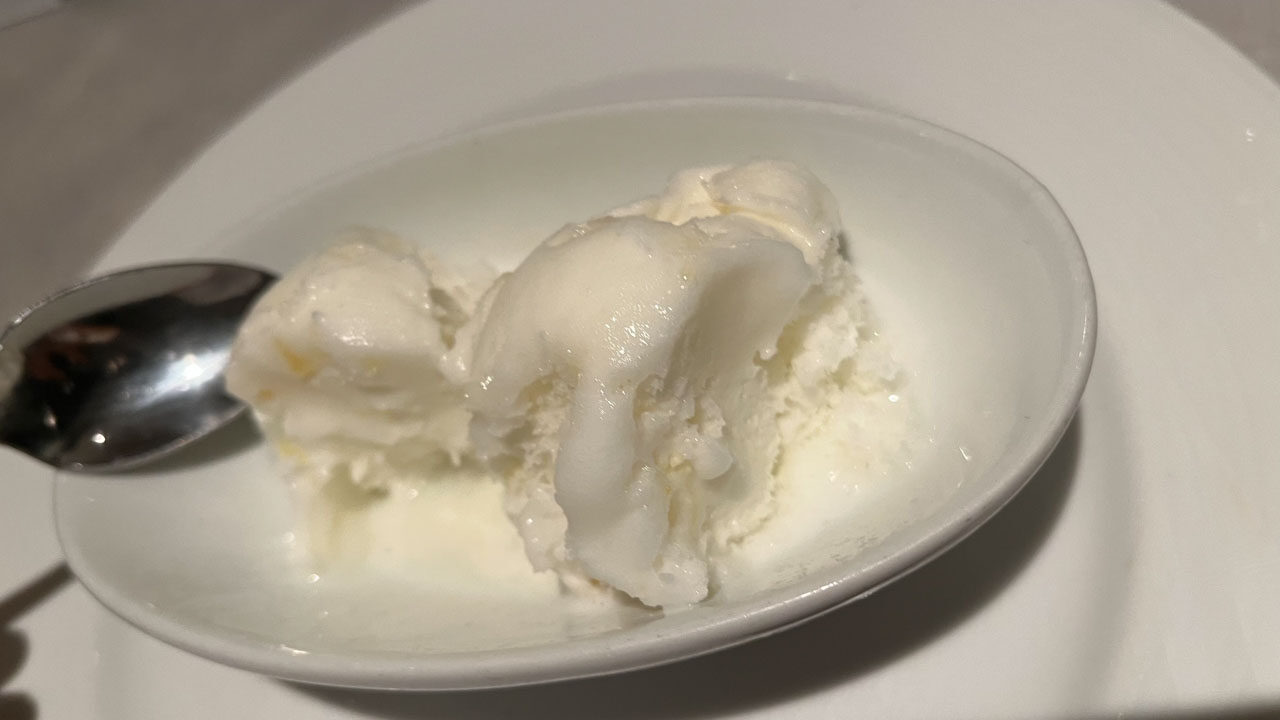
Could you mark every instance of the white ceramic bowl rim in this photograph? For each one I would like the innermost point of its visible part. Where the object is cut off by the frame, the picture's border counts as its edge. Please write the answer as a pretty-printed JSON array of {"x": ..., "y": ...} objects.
[{"x": 764, "y": 614}]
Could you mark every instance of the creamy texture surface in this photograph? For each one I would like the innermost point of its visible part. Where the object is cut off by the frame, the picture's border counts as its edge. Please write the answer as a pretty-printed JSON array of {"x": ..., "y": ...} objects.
[
  {"x": 634, "y": 385},
  {"x": 344, "y": 361}
]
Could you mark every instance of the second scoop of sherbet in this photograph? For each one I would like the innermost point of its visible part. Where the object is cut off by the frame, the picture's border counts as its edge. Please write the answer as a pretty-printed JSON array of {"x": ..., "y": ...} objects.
[
  {"x": 640, "y": 373},
  {"x": 640, "y": 337}
]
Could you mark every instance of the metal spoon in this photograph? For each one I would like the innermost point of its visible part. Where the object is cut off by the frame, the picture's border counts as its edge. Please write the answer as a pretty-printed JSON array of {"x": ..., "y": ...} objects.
[{"x": 125, "y": 368}]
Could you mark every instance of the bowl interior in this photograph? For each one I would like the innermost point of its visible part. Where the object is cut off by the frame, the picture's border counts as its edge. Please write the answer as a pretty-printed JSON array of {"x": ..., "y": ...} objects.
[{"x": 977, "y": 279}]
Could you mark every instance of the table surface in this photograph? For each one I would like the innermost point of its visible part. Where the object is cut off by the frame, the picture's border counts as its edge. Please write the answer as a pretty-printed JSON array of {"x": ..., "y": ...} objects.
[{"x": 102, "y": 103}]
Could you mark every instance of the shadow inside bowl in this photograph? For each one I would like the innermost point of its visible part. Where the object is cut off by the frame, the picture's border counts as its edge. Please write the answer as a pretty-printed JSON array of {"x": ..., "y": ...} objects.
[{"x": 854, "y": 640}]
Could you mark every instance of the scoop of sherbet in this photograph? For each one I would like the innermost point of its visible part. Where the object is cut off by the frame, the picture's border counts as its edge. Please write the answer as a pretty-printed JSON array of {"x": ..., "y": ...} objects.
[
  {"x": 343, "y": 362},
  {"x": 638, "y": 338},
  {"x": 636, "y": 377}
]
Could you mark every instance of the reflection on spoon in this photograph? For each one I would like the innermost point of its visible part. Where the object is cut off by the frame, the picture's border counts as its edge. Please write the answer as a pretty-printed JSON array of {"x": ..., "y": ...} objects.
[{"x": 126, "y": 368}]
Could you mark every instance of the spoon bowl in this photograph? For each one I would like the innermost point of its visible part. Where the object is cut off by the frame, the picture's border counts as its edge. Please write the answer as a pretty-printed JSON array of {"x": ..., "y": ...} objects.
[{"x": 125, "y": 368}]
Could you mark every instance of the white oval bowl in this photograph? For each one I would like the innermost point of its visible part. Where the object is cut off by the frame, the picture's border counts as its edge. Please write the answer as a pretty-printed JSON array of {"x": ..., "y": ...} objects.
[{"x": 978, "y": 279}]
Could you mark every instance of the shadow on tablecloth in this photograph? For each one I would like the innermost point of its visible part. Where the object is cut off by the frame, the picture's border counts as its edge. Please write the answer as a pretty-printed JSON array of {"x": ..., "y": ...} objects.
[{"x": 13, "y": 644}]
